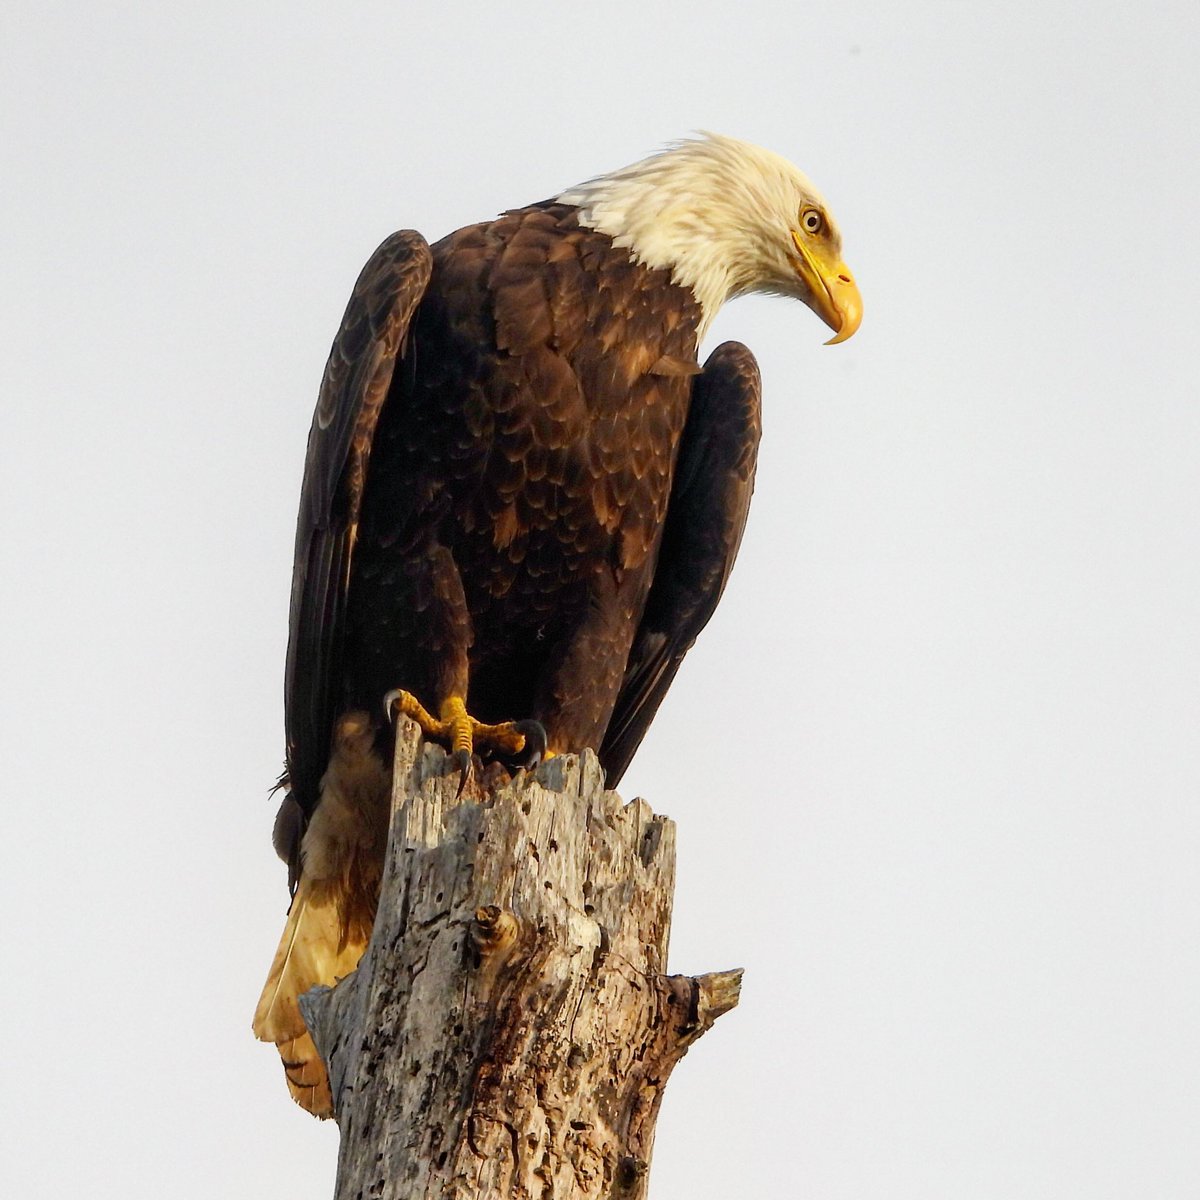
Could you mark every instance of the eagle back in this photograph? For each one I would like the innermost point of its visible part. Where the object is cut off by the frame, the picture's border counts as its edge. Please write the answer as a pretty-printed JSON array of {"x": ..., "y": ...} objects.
[{"x": 542, "y": 400}]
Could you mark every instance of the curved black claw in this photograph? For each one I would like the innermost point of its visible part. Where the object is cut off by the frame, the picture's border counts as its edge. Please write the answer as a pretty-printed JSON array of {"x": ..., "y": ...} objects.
[
  {"x": 466, "y": 770},
  {"x": 535, "y": 744}
]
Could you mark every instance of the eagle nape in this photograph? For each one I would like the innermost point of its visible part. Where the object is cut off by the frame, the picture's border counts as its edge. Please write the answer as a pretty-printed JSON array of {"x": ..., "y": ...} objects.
[{"x": 516, "y": 743}]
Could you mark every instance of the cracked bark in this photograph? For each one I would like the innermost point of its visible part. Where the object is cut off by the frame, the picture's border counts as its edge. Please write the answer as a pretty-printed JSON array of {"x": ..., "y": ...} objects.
[{"x": 510, "y": 1030}]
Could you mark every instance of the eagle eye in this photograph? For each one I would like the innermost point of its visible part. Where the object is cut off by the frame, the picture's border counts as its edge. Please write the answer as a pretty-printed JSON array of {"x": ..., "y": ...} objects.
[{"x": 812, "y": 221}]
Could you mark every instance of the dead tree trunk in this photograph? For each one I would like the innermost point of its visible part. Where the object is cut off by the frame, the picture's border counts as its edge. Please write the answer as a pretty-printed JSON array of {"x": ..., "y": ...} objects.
[{"x": 510, "y": 1030}]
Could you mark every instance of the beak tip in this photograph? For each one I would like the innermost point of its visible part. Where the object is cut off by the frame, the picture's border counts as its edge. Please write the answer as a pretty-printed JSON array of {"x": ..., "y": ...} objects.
[{"x": 846, "y": 331}]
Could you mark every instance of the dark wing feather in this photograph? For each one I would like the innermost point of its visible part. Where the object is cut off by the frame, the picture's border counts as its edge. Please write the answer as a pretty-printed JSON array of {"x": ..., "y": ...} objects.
[
  {"x": 357, "y": 378},
  {"x": 710, "y": 497}
]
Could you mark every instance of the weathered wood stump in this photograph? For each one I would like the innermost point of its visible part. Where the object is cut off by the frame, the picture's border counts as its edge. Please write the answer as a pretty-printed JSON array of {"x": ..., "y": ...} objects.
[{"x": 510, "y": 1030}]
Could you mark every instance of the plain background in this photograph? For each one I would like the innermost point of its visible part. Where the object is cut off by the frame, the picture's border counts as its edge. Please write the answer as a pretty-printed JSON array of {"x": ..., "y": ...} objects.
[{"x": 934, "y": 762}]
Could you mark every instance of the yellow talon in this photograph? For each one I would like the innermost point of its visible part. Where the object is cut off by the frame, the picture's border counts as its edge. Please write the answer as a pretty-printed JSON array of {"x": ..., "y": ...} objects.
[
  {"x": 399, "y": 702},
  {"x": 457, "y": 728}
]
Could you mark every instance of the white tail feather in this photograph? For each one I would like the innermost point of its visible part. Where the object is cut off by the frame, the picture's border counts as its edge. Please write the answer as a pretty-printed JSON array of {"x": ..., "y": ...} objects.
[{"x": 308, "y": 955}]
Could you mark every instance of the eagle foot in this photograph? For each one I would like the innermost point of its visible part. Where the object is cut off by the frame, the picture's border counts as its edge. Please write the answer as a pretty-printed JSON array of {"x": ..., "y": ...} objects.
[{"x": 521, "y": 743}]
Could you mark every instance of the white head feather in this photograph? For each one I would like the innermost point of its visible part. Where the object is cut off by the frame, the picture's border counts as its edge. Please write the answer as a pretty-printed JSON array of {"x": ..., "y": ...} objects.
[{"x": 715, "y": 210}]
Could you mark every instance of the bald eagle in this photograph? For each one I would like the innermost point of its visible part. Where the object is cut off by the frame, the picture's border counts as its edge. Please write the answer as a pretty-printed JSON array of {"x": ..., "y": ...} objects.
[{"x": 522, "y": 498}]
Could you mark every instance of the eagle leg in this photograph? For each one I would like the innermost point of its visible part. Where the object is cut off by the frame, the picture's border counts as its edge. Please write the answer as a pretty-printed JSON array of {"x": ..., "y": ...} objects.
[{"x": 465, "y": 735}]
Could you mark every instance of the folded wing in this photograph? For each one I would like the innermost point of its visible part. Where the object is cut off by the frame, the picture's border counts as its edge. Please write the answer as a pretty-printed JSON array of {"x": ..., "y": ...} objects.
[
  {"x": 357, "y": 379},
  {"x": 710, "y": 498}
]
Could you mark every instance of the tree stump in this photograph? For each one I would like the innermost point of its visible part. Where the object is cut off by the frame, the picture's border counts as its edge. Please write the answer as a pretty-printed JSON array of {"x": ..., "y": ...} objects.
[{"x": 510, "y": 1030}]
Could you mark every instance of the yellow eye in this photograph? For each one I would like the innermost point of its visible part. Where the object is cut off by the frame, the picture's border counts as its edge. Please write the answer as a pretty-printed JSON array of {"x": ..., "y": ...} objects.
[{"x": 812, "y": 221}]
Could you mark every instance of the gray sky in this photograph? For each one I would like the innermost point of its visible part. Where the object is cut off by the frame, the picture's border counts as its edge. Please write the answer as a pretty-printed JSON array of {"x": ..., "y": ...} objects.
[{"x": 964, "y": 883}]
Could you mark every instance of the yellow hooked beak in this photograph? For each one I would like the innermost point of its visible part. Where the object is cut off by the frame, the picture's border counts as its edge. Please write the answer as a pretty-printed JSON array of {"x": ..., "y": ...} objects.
[{"x": 835, "y": 296}]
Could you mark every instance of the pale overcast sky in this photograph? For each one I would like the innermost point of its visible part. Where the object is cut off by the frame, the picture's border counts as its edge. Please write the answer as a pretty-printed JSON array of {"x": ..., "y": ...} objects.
[{"x": 964, "y": 887}]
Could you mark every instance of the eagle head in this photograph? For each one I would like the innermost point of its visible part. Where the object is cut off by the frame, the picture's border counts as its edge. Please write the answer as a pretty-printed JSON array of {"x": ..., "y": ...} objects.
[{"x": 728, "y": 218}]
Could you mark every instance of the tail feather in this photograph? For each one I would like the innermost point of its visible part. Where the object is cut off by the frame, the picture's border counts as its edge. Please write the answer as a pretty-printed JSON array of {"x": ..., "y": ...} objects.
[
  {"x": 313, "y": 950},
  {"x": 306, "y": 1077}
]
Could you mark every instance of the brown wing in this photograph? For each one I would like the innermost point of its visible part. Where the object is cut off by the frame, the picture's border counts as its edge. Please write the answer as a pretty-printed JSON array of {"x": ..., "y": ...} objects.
[
  {"x": 710, "y": 497},
  {"x": 357, "y": 379}
]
